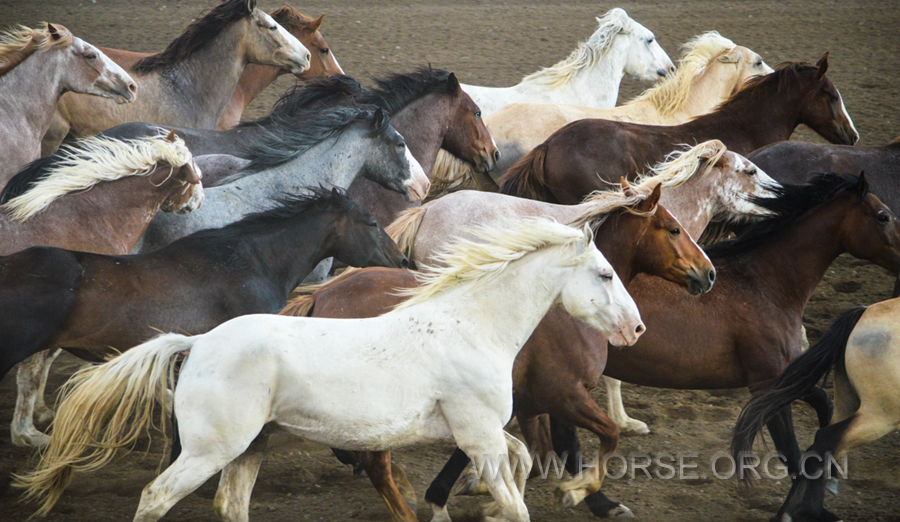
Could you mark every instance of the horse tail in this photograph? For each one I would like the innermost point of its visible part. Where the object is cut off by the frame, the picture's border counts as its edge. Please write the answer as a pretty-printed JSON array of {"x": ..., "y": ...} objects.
[
  {"x": 450, "y": 174},
  {"x": 404, "y": 230},
  {"x": 527, "y": 178},
  {"x": 798, "y": 379},
  {"x": 104, "y": 408},
  {"x": 302, "y": 302}
]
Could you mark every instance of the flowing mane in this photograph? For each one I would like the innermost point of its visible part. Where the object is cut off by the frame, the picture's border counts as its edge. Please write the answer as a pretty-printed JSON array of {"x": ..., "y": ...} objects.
[
  {"x": 197, "y": 35},
  {"x": 587, "y": 54},
  {"x": 21, "y": 42},
  {"x": 396, "y": 91},
  {"x": 474, "y": 263},
  {"x": 315, "y": 94},
  {"x": 670, "y": 95},
  {"x": 787, "y": 75},
  {"x": 791, "y": 202},
  {"x": 82, "y": 165}
]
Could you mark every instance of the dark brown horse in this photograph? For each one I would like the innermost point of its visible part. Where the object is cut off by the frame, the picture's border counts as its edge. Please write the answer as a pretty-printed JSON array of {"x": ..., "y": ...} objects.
[
  {"x": 553, "y": 381},
  {"x": 588, "y": 154}
]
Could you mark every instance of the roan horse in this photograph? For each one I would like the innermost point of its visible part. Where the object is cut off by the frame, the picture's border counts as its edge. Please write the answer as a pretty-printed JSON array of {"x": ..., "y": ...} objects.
[
  {"x": 36, "y": 67},
  {"x": 435, "y": 369},
  {"x": 547, "y": 370},
  {"x": 191, "y": 82},
  {"x": 711, "y": 69},
  {"x": 861, "y": 349},
  {"x": 129, "y": 182},
  {"x": 565, "y": 167}
]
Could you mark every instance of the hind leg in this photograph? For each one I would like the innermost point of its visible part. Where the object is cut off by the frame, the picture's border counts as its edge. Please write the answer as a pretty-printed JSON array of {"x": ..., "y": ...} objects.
[
  {"x": 42, "y": 413},
  {"x": 616, "y": 409},
  {"x": 28, "y": 381},
  {"x": 380, "y": 471},
  {"x": 232, "y": 502}
]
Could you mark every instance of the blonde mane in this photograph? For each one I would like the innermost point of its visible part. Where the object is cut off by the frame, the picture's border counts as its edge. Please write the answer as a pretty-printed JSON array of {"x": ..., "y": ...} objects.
[
  {"x": 671, "y": 95},
  {"x": 587, "y": 54},
  {"x": 676, "y": 170},
  {"x": 85, "y": 163},
  {"x": 474, "y": 263},
  {"x": 19, "y": 43}
]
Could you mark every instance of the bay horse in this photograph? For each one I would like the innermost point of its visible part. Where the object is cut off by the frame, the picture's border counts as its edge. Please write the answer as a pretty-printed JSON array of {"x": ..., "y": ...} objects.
[
  {"x": 861, "y": 349},
  {"x": 129, "y": 181},
  {"x": 190, "y": 83},
  {"x": 585, "y": 155},
  {"x": 591, "y": 75},
  {"x": 37, "y": 66},
  {"x": 711, "y": 69},
  {"x": 435, "y": 370}
]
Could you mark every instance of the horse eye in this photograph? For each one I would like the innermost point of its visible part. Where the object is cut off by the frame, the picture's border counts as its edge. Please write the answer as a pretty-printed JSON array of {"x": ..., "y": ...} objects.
[
  {"x": 759, "y": 63},
  {"x": 373, "y": 224},
  {"x": 650, "y": 41},
  {"x": 324, "y": 51},
  {"x": 751, "y": 173},
  {"x": 273, "y": 28},
  {"x": 91, "y": 56},
  {"x": 606, "y": 278},
  {"x": 675, "y": 231},
  {"x": 478, "y": 114},
  {"x": 883, "y": 218}
]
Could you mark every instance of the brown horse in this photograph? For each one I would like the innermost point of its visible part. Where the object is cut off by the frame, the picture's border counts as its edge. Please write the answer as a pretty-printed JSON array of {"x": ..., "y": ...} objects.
[
  {"x": 545, "y": 381},
  {"x": 190, "y": 83},
  {"x": 588, "y": 154}
]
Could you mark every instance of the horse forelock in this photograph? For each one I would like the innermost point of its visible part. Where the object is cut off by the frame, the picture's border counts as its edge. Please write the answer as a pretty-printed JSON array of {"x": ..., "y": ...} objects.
[
  {"x": 197, "y": 35},
  {"x": 21, "y": 42},
  {"x": 671, "y": 95},
  {"x": 587, "y": 54},
  {"x": 85, "y": 163},
  {"x": 475, "y": 262}
]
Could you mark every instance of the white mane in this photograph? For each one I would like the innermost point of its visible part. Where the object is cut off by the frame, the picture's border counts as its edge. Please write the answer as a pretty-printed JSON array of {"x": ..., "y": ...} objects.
[
  {"x": 588, "y": 53},
  {"x": 92, "y": 160},
  {"x": 470, "y": 262}
]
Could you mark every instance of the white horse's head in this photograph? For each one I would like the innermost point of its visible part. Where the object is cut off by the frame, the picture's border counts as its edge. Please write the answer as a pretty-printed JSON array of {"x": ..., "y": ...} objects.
[
  {"x": 739, "y": 181},
  {"x": 596, "y": 295},
  {"x": 644, "y": 58}
]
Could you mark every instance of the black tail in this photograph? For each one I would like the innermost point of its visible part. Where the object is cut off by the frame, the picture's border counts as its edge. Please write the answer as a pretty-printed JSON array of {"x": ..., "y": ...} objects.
[{"x": 796, "y": 380}]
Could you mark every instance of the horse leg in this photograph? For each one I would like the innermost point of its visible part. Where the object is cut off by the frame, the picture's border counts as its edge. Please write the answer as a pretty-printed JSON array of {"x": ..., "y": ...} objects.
[
  {"x": 379, "y": 469},
  {"x": 439, "y": 491},
  {"x": 616, "y": 409},
  {"x": 781, "y": 428},
  {"x": 348, "y": 458},
  {"x": 539, "y": 439},
  {"x": 491, "y": 456},
  {"x": 820, "y": 401},
  {"x": 232, "y": 502},
  {"x": 41, "y": 411},
  {"x": 28, "y": 381},
  {"x": 520, "y": 463}
]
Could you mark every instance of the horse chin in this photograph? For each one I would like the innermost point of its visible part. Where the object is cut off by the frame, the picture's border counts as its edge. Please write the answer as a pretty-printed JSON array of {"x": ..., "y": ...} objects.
[{"x": 617, "y": 339}]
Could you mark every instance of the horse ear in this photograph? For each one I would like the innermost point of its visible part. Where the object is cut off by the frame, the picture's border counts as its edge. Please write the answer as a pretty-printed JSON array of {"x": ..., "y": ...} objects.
[
  {"x": 822, "y": 64},
  {"x": 732, "y": 57},
  {"x": 334, "y": 192},
  {"x": 652, "y": 200},
  {"x": 626, "y": 187},
  {"x": 54, "y": 32},
  {"x": 314, "y": 26},
  {"x": 171, "y": 136},
  {"x": 452, "y": 84},
  {"x": 863, "y": 187},
  {"x": 251, "y": 5},
  {"x": 379, "y": 118}
]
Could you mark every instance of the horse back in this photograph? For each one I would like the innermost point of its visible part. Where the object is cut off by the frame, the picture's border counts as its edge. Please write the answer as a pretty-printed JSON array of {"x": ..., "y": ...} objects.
[{"x": 368, "y": 292}]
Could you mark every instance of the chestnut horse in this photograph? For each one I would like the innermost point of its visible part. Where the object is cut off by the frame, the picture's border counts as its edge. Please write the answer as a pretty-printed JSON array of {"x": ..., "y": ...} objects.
[
  {"x": 661, "y": 250},
  {"x": 191, "y": 82},
  {"x": 36, "y": 67},
  {"x": 587, "y": 154}
]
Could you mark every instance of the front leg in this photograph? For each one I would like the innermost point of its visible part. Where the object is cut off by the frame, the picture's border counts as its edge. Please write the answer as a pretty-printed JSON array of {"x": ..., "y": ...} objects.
[{"x": 616, "y": 409}]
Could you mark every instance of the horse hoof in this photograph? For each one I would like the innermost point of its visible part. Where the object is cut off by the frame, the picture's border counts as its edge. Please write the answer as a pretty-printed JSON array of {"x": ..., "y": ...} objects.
[
  {"x": 620, "y": 512},
  {"x": 634, "y": 427},
  {"x": 569, "y": 499},
  {"x": 831, "y": 486},
  {"x": 30, "y": 439},
  {"x": 440, "y": 513}
]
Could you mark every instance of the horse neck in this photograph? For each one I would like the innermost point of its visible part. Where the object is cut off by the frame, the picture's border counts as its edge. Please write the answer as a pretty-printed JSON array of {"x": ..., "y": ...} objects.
[
  {"x": 423, "y": 123},
  {"x": 595, "y": 86},
  {"x": 692, "y": 204},
  {"x": 706, "y": 93},
  {"x": 253, "y": 82},
  {"x": 30, "y": 92},
  {"x": 618, "y": 246},
  {"x": 507, "y": 309},
  {"x": 204, "y": 82}
]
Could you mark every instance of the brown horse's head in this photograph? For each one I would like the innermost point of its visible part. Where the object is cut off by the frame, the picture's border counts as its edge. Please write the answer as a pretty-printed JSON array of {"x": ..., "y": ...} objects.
[
  {"x": 870, "y": 230},
  {"x": 181, "y": 183},
  {"x": 664, "y": 249},
  {"x": 322, "y": 61},
  {"x": 822, "y": 109},
  {"x": 468, "y": 138}
]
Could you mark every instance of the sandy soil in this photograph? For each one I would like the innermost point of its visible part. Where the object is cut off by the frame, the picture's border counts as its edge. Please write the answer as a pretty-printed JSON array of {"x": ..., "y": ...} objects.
[{"x": 495, "y": 43}]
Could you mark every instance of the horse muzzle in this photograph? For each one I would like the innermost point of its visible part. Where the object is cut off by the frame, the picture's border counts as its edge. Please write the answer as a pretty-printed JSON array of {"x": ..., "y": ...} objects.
[{"x": 700, "y": 281}]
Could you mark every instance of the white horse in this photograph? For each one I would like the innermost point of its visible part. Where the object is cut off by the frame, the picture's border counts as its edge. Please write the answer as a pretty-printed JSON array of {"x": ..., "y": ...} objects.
[
  {"x": 439, "y": 366},
  {"x": 591, "y": 75}
]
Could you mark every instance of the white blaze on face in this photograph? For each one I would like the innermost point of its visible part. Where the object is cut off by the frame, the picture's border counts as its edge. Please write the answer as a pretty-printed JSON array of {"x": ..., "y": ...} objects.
[
  {"x": 417, "y": 185},
  {"x": 298, "y": 54},
  {"x": 847, "y": 115},
  {"x": 113, "y": 81}
]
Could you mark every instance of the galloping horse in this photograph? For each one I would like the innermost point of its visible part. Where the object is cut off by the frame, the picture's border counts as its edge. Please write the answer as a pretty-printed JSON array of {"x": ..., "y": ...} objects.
[
  {"x": 191, "y": 82},
  {"x": 435, "y": 368},
  {"x": 861, "y": 349},
  {"x": 711, "y": 69},
  {"x": 36, "y": 67},
  {"x": 588, "y": 154}
]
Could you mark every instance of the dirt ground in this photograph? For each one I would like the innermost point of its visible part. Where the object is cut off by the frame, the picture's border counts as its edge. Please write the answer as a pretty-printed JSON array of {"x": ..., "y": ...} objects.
[{"x": 496, "y": 43}]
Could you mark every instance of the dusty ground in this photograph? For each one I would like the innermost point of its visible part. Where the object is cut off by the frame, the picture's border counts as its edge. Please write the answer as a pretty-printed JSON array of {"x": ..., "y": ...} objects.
[{"x": 495, "y": 43}]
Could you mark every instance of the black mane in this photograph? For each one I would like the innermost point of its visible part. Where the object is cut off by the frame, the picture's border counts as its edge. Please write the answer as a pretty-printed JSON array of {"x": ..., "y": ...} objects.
[
  {"x": 791, "y": 202},
  {"x": 396, "y": 91},
  {"x": 197, "y": 35},
  {"x": 27, "y": 178},
  {"x": 316, "y": 94},
  {"x": 787, "y": 75}
]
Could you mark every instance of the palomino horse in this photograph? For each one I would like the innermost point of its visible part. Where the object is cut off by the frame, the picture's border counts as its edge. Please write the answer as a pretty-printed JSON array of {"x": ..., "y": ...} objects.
[
  {"x": 583, "y": 156},
  {"x": 711, "y": 69},
  {"x": 191, "y": 82},
  {"x": 36, "y": 67},
  {"x": 256, "y": 78},
  {"x": 591, "y": 75},
  {"x": 861, "y": 349},
  {"x": 343, "y": 144},
  {"x": 129, "y": 182},
  {"x": 435, "y": 369},
  {"x": 93, "y": 304}
]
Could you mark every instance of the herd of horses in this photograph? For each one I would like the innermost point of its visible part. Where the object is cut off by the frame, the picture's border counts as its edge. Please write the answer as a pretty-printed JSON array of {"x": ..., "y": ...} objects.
[{"x": 137, "y": 202}]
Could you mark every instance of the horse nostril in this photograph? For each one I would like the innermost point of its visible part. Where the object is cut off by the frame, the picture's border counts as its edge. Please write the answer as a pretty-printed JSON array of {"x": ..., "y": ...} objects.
[
  {"x": 712, "y": 275},
  {"x": 404, "y": 263},
  {"x": 639, "y": 329},
  {"x": 132, "y": 88},
  {"x": 496, "y": 156},
  {"x": 661, "y": 73}
]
